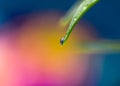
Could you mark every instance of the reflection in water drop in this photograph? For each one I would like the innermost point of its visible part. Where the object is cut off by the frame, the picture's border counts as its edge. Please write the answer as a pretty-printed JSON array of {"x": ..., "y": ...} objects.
[{"x": 62, "y": 41}]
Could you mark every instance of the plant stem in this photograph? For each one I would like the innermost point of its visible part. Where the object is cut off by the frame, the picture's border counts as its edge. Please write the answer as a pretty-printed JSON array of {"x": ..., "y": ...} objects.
[
  {"x": 68, "y": 16},
  {"x": 101, "y": 46},
  {"x": 84, "y": 6}
]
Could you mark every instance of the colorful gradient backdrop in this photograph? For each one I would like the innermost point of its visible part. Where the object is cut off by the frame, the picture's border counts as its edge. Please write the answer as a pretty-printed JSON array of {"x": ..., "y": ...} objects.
[{"x": 30, "y": 53}]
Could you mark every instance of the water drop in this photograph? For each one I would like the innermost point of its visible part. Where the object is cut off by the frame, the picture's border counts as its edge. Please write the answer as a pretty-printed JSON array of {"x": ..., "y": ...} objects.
[
  {"x": 62, "y": 41},
  {"x": 75, "y": 18},
  {"x": 84, "y": 8}
]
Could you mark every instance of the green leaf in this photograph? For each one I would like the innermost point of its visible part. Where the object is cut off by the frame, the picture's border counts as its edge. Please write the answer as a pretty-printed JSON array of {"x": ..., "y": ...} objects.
[{"x": 83, "y": 7}]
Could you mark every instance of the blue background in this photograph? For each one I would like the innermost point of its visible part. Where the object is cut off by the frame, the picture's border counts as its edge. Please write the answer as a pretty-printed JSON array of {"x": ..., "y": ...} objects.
[{"x": 105, "y": 16}]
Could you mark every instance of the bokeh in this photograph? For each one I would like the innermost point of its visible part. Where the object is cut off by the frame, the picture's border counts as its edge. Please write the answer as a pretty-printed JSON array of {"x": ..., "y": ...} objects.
[{"x": 30, "y": 52}]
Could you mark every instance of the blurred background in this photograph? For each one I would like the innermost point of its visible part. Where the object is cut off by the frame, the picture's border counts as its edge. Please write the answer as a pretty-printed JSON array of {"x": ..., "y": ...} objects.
[{"x": 103, "y": 69}]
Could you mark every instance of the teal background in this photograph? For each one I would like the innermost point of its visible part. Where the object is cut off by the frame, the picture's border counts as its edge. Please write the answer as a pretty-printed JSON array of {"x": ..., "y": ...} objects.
[{"x": 105, "y": 16}]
